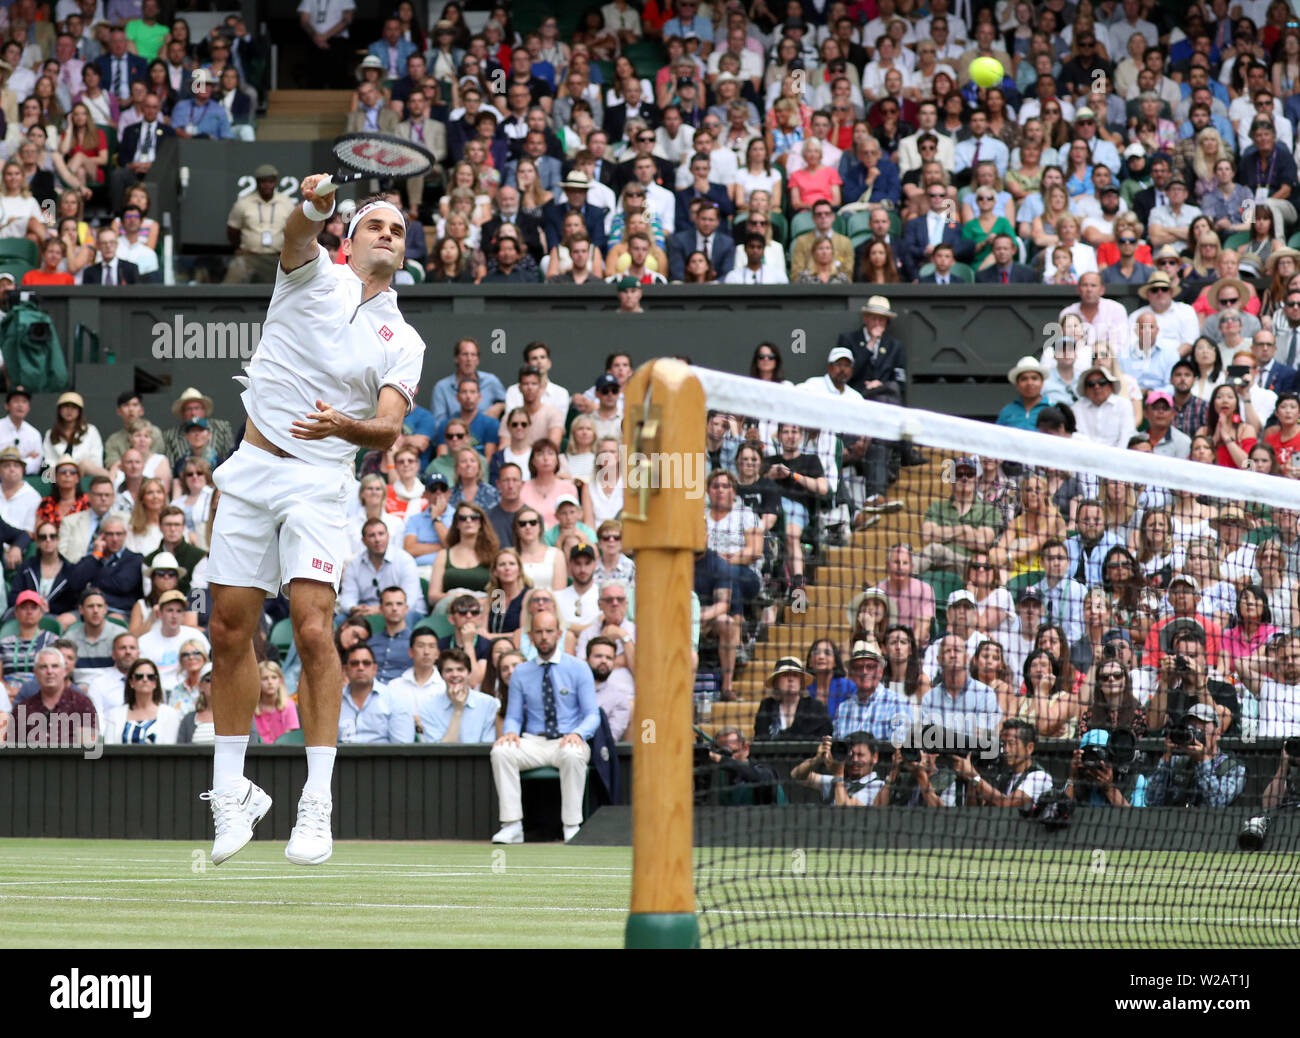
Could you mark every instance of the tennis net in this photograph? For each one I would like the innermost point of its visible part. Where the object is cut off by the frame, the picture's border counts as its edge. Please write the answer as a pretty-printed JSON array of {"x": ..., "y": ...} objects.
[{"x": 996, "y": 686}]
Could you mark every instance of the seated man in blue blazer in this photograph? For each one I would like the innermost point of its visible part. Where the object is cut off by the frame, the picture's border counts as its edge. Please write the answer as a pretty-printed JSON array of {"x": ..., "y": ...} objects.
[
  {"x": 705, "y": 236},
  {"x": 943, "y": 259},
  {"x": 118, "y": 69},
  {"x": 702, "y": 187},
  {"x": 1273, "y": 374},
  {"x": 1004, "y": 269},
  {"x": 392, "y": 49},
  {"x": 575, "y": 187},
  {"x": 119, "y": 574},
  {"x": 939, "y": 224}
]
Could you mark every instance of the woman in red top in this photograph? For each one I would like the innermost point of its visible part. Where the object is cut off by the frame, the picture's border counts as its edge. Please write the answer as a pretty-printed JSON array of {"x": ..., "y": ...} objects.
[
  {"x": 65, "y": 498},
  {"x": 1232, "y": 437},
  {"x": 49, "y": 273},
  {"x": 84, "y": 146},
  {"x": 1285, "y": 439}
]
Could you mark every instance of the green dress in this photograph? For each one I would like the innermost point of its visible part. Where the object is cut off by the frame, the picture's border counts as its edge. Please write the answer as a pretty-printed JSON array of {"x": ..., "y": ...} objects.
[
  {"x": 473, "y": 579},
  {"x": 973, "y": 232}
]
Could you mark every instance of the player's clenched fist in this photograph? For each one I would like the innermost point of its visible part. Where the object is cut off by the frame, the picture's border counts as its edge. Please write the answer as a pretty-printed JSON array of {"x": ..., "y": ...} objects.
[{"x": 308, "y": 187}]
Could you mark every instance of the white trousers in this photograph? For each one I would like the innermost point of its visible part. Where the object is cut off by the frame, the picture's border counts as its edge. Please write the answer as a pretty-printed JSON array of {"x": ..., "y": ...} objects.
[{"x": 537, "y": 751}]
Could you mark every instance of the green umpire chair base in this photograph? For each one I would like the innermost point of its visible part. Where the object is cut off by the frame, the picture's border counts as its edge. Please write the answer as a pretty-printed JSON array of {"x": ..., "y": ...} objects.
[{"x": 540, "y": 793}]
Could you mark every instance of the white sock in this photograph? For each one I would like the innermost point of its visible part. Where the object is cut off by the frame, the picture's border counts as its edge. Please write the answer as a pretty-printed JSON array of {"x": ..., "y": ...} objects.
[
  {"x": 228, "y": 762},
  {"x": 320, "y": 769}
]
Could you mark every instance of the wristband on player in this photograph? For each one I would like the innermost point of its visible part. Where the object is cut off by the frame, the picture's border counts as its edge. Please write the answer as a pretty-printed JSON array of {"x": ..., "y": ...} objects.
[{"x": 310, "y": 211}]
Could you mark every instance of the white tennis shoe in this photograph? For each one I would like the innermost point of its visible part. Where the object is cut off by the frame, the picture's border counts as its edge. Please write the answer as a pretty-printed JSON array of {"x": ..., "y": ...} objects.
[
  {"x": 511, "y": 832},
  {"x": 234, "y": 813},
  {"x": 311, "y": 842}
]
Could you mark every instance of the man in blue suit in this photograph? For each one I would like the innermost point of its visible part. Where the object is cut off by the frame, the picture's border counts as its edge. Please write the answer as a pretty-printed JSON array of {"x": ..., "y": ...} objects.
[
  {"x": 702, "y": 187},
  {"x": 120, "y": 572},
  {"x": 552, "y": 712},
  {"x": 938, "y": 226},
  {"x": 1273, "y": 374},
  {"x": 575, "y": 187},
  {"x": 120, "y": 69},
  {"x": 392, "y": 49},
  {"x": 1004, "y": 269},
  {"x": 704, "y": 237}
]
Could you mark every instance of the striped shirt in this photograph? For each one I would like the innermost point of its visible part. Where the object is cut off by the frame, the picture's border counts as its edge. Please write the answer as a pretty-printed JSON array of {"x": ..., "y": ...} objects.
[{"x": 882, "y": 714}]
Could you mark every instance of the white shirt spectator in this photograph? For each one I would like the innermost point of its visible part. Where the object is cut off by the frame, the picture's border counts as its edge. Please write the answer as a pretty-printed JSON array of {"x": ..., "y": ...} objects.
[
  {"x": 766, "y": 274},
  {"x": 325, "y": 14},
  {"x": 19, "y": 511},
  {"x": 1111, "y": 424},
  {"x": 27, "y": 438},
  {"x": 751, "y": 64},
  {"x": 15, "y": 212},
  {"x": 722, "y": 169},
  {"x": 663, "y": 203},
  {"x": 615, "y": 695},
  {"x": 145, "y": 259},
  {"x": 830, "y": 157},
  {"x": 574, "y": 608},
  {"x": 165, "y": 652},
  {"x": 1033, "y": 109},
  {"x": 553, "y": 395},
  {"x": 1164, "y": 216},
  {"x": 407, "y": 685},
  {"x": 1176, "y": 325},
  {"x": 1279, "y": 709},
  {"x": 162, "y": 732},
  {"x": 726, "y": 536}
]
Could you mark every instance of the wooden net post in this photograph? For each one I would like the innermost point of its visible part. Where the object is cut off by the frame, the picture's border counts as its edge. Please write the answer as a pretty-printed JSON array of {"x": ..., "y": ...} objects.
[{"x": 663, "y": 519}]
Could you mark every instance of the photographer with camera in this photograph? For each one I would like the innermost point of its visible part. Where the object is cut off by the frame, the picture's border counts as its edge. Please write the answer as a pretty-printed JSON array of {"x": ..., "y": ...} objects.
[
  {"x": 1272, "y": 674},
  {"x": 1194, "y": 772},
  {"x": 843, "y": 771},
  {"x": 1284, "y": 787},
  {"x": 1103, "y": 770},
  {"x": 1018, "y": 782},
  {"x": 738, "y": 780},
  {"x": 1185, "y": 681},
  {"x": 916, "y": 780}
]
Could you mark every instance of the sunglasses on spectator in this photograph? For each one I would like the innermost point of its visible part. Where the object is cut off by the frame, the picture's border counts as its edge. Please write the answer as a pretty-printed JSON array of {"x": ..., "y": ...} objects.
[
  {"x": 519, "y": 425},
  {"x": 469, "y": 611},
  {"x": 456, "y": 436},
  {"x": 1233, "y": 301},
  {"x": 611, "y": 536},
  {"x": 1293, "y": 302},
  {"x": 761, "y": 356},
  {"x": 145, "y": 677},
  {"x": 528, "y": 522},
  {"x": 191, "y": 655},
  {"x": 467, "y": 517},
  {"x": 646, "y": 139},
  {"x": 47, "y": 537},
  {"x": 981, "y": 565},
  {"x": 1128, "y": 241}
]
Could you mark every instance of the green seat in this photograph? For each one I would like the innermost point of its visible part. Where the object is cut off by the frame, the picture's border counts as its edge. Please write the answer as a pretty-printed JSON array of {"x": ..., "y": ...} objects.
[
  {"x": 22, "y": 249},
  {"x": 1293, "y": 242},
  {"x": 376, "y": 622},
  {"x": 540, "y": 773},
  {"x": 780, "y": 228},
  {"x": 801, "y": 224},
  {"x": 282, "y": 636},
  {"x": 1017, "y": 584},
  {"x": 293, "y": 738},
  {"x": 48, "y": 623},
  {"x": 38, "y": 484},
  {"x": 856, "y": 223},
  {"x": 17, "y": 269},
  {"x": 1236, "y": 241},
  {"x": 944, "y": 582},
  {"x": 416, "y": 271},
  {"x": 647, "y": 57},
  {"x": 438, "y": 624},
  {"x": 960, "y": 271}
]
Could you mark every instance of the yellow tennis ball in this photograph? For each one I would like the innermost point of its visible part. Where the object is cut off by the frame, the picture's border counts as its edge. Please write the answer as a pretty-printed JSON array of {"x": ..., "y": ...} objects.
[{"x": 986, "y": 72}]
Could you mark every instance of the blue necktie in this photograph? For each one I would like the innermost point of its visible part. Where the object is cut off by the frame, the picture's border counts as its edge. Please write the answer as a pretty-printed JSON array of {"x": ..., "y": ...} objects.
[{"x": 548, "y": 703}]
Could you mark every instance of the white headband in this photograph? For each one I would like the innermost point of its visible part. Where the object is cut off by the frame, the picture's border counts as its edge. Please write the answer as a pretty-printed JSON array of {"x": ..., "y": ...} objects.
[{"x": 352, "y": 227}]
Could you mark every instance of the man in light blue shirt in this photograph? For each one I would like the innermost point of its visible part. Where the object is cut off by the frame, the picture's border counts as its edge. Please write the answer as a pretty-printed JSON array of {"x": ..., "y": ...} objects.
[
  {"x": 980, "y": 146},
  {"x": 381, "y": 565},
  {"x": 457, "y": 714},
  {"x": 492, "y": 394},
  {"x": 959, "y": 703},
  {"x": 1062, "y": 596},
  {"x": 370, "y": 712},
  {"x": 551, "y": 714},
  {"x": 1149, "y": 359},
  {"x": 200, "y": 116},
  {"x": 876, "y": 708}
]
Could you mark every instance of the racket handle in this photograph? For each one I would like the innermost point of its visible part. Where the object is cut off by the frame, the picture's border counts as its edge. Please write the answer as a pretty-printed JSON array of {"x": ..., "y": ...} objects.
[{"x": 326, "y": 187}]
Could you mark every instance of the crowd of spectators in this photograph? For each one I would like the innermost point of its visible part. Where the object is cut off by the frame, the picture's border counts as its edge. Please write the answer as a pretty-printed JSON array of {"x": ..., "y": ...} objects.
[{"x": 857, "y": 125}]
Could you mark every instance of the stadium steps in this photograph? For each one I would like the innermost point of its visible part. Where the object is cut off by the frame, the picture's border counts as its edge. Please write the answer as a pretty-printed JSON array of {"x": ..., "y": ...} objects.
[
  {"x": 304, "y": 115},
  {"x": 841, "y": 572}
]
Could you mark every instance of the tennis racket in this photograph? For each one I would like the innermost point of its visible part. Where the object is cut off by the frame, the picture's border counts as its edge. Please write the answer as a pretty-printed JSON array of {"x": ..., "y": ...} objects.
[{"x": 364, "y": 155}]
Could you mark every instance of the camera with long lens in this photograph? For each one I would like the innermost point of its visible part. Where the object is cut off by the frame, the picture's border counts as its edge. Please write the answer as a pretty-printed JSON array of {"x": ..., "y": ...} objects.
[
  {"x": 1182, "y": 736},
  {"x": 1119, "y": 752},
  {"x": 1251, "y": 837},
  {"x": 839, "y": 750}
]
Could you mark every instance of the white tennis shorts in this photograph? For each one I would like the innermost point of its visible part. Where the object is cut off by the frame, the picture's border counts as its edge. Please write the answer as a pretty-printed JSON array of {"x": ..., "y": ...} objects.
[{"x": 279, "y": 519}]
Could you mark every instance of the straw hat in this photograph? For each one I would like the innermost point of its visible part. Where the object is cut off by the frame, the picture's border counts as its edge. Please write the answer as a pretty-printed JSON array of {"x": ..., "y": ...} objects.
[
  {"x": 785, "y": 665},
  {"x": 1110, "y": 377},
  {"x": 879, "y": 306},
  {"x": 855, "y": 604},
  {"x": 1270, "y": 264},
  {"x": 72, "y": 398},
  {"x": 165, "y": 560},
  {"x": 1244, "y": 291},
  {"x": 1158, "y": 279},
  {"x": 1025, "y": 365},
  {"x": 190, "y": 394}
]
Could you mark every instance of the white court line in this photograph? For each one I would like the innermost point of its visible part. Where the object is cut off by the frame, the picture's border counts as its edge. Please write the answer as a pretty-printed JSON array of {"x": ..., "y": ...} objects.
[
  {"x": 242, "y": 878},
  {"x": 741, "y": 913},
  {"x": 103, "y": 863},
  {"x": 312, "y": 904}
]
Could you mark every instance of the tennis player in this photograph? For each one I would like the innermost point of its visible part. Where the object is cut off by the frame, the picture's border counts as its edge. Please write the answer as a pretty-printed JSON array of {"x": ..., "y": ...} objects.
[{"x": 337, "y": 369}]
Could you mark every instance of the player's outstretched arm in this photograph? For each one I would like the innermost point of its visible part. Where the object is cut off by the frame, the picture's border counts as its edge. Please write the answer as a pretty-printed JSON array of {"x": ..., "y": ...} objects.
[
  {"x": 378, "y": 433},
  {"x": 299, "y": 232}
]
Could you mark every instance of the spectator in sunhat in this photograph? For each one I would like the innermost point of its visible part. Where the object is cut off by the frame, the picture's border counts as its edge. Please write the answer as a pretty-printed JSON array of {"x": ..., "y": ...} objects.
[{"x": 194, "y": 404}]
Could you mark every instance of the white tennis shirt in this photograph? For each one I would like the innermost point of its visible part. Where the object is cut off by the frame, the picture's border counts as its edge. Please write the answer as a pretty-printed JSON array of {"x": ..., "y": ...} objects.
[{"x": 320, "y": 341}]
